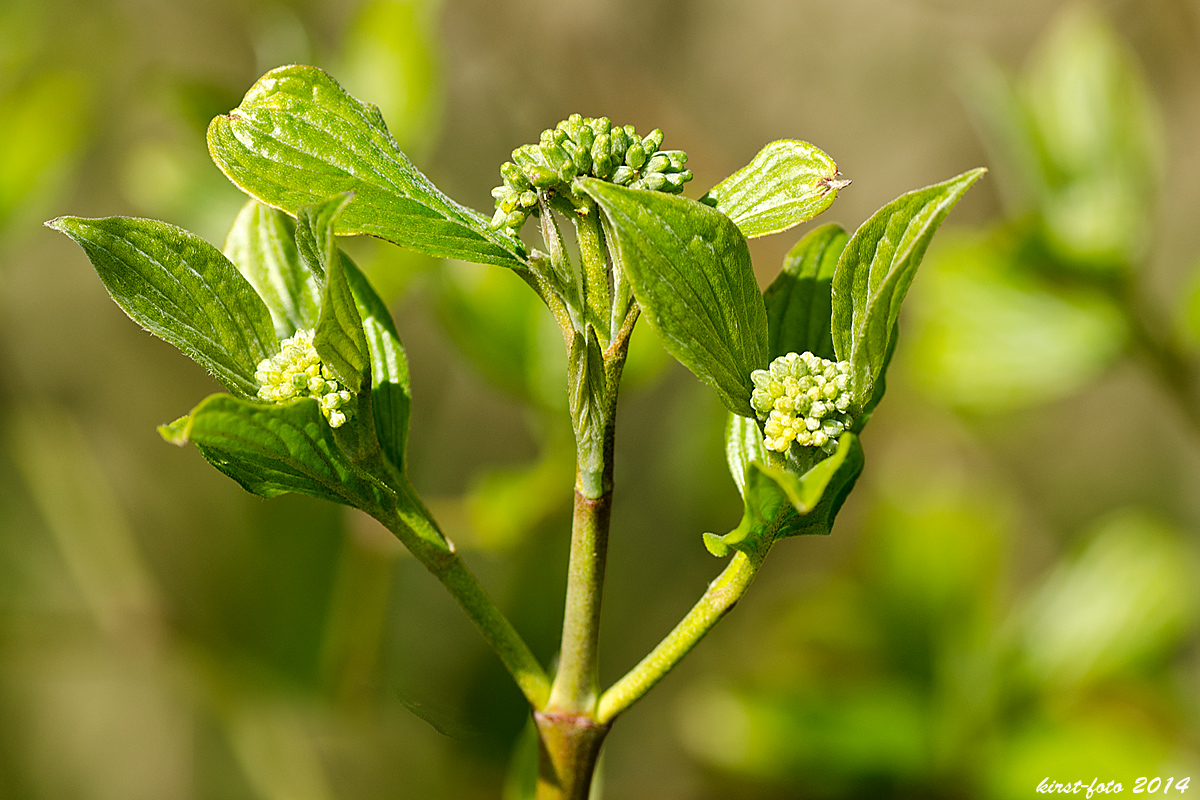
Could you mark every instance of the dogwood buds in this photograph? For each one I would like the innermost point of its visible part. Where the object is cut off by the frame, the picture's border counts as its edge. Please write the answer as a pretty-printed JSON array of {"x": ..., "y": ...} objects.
[
  {"x": 584, "y": 147},
  {"x": 296, "y": 371},
  {"x": 802, "y": 398}
]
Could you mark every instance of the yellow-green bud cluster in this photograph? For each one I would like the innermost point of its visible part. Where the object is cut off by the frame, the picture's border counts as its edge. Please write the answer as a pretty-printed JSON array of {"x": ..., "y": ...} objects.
[
  {"x": 581, "y": 147},
  {"x": 296, "y": 371},
  {"x": 804, "y": 399}
]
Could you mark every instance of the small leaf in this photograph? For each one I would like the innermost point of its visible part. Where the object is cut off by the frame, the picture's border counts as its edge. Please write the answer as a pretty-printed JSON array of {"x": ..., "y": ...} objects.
[
  {"x": 787, "y": 183},
  {"x": 817, "y": 496},
  {"x": 743, "y": 446},
  {"x": 780, "y": 504},
  {"x": 689, "y": 267},
  {"x": 588, "y": 399},
  {"x": 274, "y": 449},
  {"x": 799, "y": 305},
  {"x": 298, "y": 137},
  {"x": 339, "y": 339},
  {"x": 316, "y": 244},
  {"x": 262, "y": 244},
  {"x": 181, "y": 289},
  {"x": 390, "y": 393},
  {"x": 874, "y": 272}
]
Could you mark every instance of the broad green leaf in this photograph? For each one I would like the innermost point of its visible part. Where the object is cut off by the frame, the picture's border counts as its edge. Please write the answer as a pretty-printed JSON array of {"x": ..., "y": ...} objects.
[
  {"x": 262, "y": 244},
  {"x": 779, "y": 503},
  {"x": 988, "y": 336},
  {"x": 799, "y": 305},
  {"x": 298, "y": 137},
  {"x": 339, "y": 337},
  {"x": 874, "y": 272},
  {"x": 689, "y": 267},
  {"x": 316, "y": 244},
  {"x": 390, "y": 392},
  {"x": 787, "y": 183},
  {"x": 181, "y": 289},
  {"x": 274, "y": 449}
]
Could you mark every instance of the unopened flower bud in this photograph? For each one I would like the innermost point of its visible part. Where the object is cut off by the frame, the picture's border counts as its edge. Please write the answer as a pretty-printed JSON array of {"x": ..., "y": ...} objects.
[
  {"x": 296, "y": 371},
  {"x": 802, "y": 399}
]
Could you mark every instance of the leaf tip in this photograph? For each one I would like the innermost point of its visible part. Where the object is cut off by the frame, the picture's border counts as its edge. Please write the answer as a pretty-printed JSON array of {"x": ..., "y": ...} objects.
[
  {"x": 176, "y": 432},
  {"x": 716, "y": 545}
]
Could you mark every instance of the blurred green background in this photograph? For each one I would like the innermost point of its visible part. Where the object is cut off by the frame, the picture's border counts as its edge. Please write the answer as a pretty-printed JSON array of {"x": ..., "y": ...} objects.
[{"x": 1011, "y": 593}]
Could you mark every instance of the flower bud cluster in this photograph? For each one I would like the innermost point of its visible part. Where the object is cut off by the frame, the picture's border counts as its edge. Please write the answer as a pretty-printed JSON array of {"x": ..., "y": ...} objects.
[
  {"x": 582, "y": 147},
  {"x": 804, "y": 399},
  {"x": 296, "y": 371}
]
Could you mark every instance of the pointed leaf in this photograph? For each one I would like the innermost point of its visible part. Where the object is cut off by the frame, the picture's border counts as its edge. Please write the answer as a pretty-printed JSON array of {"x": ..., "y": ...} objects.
[
  {"x": 262, "y": 244},
  {"x": 780, "y": 504},
  {"x": 874, "y": 272},
  {"x": 274, "y": 449},
  {"x": 689, "y": 267},
  {"x": 787, "y": 183},
  {"x": 339, "y": 339},
  {"x": 799, "y": 304},
  {"x": 390, "y": 393},
  {"x": 587, "y": 398},
  {"x": 743, "y": 446},
  {"x": 316, "y": 244},
  {"x": 298, "y": 137},
  {"x": 181, "y": 289}
]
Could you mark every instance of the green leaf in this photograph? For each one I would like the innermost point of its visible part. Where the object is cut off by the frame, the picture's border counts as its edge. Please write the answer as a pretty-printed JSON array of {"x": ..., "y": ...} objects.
[
  {"x": 262, "y": 244},
  {"x": 743, "y": 446},
  {"x": 799, "y": 305},
  {"x": 587, "y": 398},
  {"x": 817, "y": 496},
  {"x": 274, "y": 449},
  {"x": 787, "y": 183},
  {"x": 298, "y": 137},
  {"x": 779, "y": 503},
  {"x": 339, "y": 338},
  {"x": 690, "y": 270},
  {"x": 181, "y": 289},
  {"x": 874, "y": 272},
  {"x": 391, "y": 397},
  {"x": 316, "y": 244}
]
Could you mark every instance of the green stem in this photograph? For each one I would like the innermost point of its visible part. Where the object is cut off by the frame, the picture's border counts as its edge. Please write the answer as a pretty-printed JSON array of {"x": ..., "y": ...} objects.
[
  {"x": 722, "y": 595},
  {"x": 420, "y": 535}
]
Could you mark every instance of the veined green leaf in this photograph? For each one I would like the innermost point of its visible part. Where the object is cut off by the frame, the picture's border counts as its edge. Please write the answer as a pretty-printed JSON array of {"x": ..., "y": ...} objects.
[
  {"x": 339, "y": 338},
  {"x": 587, "y": 398},
  {"x": 874, "y": 272},
  {"x": 316, "y": 244},
  {"x": 181, "y": 289},
  {"x": 262, "y": 244},
  {"x": 799, "y": 305},
  {"x": 298, "y": 137},
  {"x": 274, "y": 449},
  {"x": 689, "y": 267},
  {"x": 390, "y": 392},
  {"x": 743, "y": 446},
  {"x": 787, "y": 183},
  {"x": 778, "y": 503}
]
